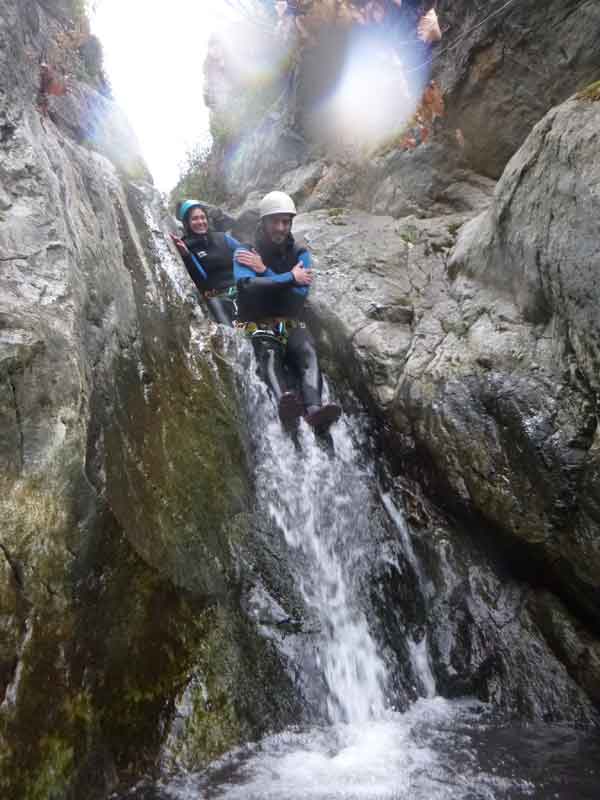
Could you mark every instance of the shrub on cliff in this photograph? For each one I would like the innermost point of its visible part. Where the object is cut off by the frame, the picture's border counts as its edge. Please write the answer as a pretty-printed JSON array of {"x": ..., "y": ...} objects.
[{"x": 199, "y": 178}]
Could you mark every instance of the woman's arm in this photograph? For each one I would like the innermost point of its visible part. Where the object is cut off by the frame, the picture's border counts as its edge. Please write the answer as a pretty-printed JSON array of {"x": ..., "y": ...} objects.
[
  {"x": 300, "y": 276},
  {"x": 232, "y": 243},
  {"x": 192, "y": 264}
]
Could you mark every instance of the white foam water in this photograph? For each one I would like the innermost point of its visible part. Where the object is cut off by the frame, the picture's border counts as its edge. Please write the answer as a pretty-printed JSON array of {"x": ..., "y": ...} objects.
[
  {"x": 322, "y": 499},
  {"x": 417, "y": 755},
  {"x": 321, "y": 506}
]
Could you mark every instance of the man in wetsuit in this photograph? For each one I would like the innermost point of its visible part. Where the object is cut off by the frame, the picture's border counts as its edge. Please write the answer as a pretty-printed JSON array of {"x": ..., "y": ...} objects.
[{"x": 272, "y": 287}]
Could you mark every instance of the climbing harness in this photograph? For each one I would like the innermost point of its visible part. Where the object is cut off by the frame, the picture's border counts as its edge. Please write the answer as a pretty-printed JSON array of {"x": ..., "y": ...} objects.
[
  {"x": 273, "y": 327},
  {"x": 230, "y": 292}
]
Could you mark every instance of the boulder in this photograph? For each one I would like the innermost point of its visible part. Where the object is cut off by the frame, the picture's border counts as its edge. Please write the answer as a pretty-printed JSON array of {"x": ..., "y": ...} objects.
[{"x": 480, "y": 355}]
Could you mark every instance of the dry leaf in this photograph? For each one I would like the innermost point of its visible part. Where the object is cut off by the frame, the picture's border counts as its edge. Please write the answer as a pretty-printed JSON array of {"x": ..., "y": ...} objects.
[{"x": 428, "y": 29}]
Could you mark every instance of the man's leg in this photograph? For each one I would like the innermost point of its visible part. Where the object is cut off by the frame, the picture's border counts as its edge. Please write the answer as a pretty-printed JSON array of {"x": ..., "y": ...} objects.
[
  {"x": 269, "y": 354},
  {"x": 302, "y": 356},
  {"x": 221, "y": 309}
]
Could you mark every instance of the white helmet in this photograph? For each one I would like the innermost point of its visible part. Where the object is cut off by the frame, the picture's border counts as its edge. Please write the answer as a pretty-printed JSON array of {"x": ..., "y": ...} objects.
[{"x": 276, "y": 203}]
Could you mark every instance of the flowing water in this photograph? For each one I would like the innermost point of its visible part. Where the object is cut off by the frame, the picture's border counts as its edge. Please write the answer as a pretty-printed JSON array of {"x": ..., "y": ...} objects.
[{"x": 324, "y": 500}]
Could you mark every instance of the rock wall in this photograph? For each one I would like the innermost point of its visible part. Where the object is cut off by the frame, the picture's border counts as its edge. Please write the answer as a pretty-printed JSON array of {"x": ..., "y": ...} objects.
[
  {"x": 506, "y": 64},
  {"x": 537, "y": 247},
  {"x": 476, "y": 344},
  {"x": 125, "y": 488},
  {"x": 122, "y": 458},
  {"x": 477, "y": 351},
  {"x": 501, "y": 67}
]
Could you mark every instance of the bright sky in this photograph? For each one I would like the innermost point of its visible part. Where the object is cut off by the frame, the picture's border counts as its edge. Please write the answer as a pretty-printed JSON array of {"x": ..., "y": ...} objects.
[{"x": 154, "y": 55}]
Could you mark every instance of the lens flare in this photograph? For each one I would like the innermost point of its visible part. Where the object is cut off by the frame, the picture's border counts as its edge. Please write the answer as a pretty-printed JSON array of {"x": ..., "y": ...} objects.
[
  {"x": 253, "y": 55},
  {"x": 376, "y": 94}
]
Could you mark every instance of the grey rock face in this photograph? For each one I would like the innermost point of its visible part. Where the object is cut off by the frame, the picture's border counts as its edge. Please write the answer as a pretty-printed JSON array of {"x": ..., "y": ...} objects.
[
  {"x": 482, "y": 358},
  {"x": 508, "y": 64},
  {"x": 488, "y": 634},
  {"x": 538, "y": 245},
  {"x": 264, "y": 156},
  {"x": 123, "y": 470},
  {"x": 94, "y": 120},
  {"x": 121, "y": 460},
  {"x": 501, "y": 67},
  {"x": 539, "y": 241}
]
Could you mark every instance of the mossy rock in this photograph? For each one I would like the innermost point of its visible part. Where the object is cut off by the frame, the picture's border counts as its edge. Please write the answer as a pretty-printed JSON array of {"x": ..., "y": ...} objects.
[
  {"x": 99, "y": 679},
  {"x": 236, "y": 693}
]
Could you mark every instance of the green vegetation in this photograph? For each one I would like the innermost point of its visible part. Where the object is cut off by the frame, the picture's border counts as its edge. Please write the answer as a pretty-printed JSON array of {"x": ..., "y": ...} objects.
[
  {"x": 201, "y": 175},
  {"x": 75, "y": 51},
  {"x": 409, "y": 235},
  {"x": 37, "y": 750},
  {"x": 235, "y": 115},
  {"x": 336, "y": 216},
  {"x": 591, "y": 92},
  {"x": 244, "y": 112},
  {"x": 199, "y": 178},
  {"x": 78, "y": 9}
]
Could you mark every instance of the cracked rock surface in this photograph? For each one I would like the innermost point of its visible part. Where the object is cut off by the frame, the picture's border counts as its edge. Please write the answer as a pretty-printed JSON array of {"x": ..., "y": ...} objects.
[
  {"x": 475, "y": 340},
  {"x": 122, "y": 465}
]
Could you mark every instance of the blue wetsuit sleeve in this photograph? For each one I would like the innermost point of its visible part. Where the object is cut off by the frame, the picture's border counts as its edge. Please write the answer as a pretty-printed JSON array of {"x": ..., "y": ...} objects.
[
  {"x": 193, "y": 265},
  {"x": 276, "y": 277},
  {"x": 241, "y": 272},
  {"x": 306, "y": 261},
  {"x": 270, "y": 277},
  {"x": 232, "y": 243},
  {"x": 287, "y": 277}
]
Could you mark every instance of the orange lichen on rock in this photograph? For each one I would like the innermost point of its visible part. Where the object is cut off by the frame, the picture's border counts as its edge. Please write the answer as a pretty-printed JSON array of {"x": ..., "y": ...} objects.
[
  {"x": 51, "y": 84},
  {"x": 432, "y": 103},
  {"x": 418, "y": 129}
]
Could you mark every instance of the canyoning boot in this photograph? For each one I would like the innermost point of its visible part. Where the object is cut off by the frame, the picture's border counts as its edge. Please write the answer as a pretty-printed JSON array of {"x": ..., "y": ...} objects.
[
  {"x": 290, "y": 410},
  {"x": 320, "y": 418}
]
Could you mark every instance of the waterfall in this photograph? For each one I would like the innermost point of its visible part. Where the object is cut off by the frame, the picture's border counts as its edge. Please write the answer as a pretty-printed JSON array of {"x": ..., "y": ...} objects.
[
  {"x": 418, "y": 650},
  {"x": 320, "y": 498},
  {"x": 323, "y": 499},
  {"x": 320, "y": 503}
]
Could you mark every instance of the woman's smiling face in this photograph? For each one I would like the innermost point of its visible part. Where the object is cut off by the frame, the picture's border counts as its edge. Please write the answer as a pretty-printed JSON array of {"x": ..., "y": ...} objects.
[{"x": 198, "y": 222}]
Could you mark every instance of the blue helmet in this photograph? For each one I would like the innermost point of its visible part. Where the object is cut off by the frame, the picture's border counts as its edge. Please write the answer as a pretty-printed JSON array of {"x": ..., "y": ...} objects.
[{"x": 186, "y": 206}]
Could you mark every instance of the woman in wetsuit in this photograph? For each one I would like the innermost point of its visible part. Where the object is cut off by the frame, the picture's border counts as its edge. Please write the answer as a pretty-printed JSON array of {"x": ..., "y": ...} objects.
[{"x": 208, "y": 257}]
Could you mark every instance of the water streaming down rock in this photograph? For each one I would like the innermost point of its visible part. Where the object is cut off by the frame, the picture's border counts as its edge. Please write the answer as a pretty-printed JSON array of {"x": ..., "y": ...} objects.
[
  {"x": 418, "y": 650},
  {"x": 324, "y": 499},
  {"x": 103, "y": 407},
  {"x": 321, "y": 505},
  {"x": 326, "y": 503}
]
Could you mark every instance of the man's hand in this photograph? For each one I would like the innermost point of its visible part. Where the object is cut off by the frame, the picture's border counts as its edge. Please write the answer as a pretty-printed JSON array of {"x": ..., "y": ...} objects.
[
  {"x": 302, "y": 277},
  {"x": 179, "y": 244},
  {"x": 252, "y": 260}
]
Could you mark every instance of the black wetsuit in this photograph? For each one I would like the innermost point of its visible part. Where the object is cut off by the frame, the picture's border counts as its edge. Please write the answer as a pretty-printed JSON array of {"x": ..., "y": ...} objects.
[
  {"x": 210, "y": 265},
  {"x": 264, "y": 299}
]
